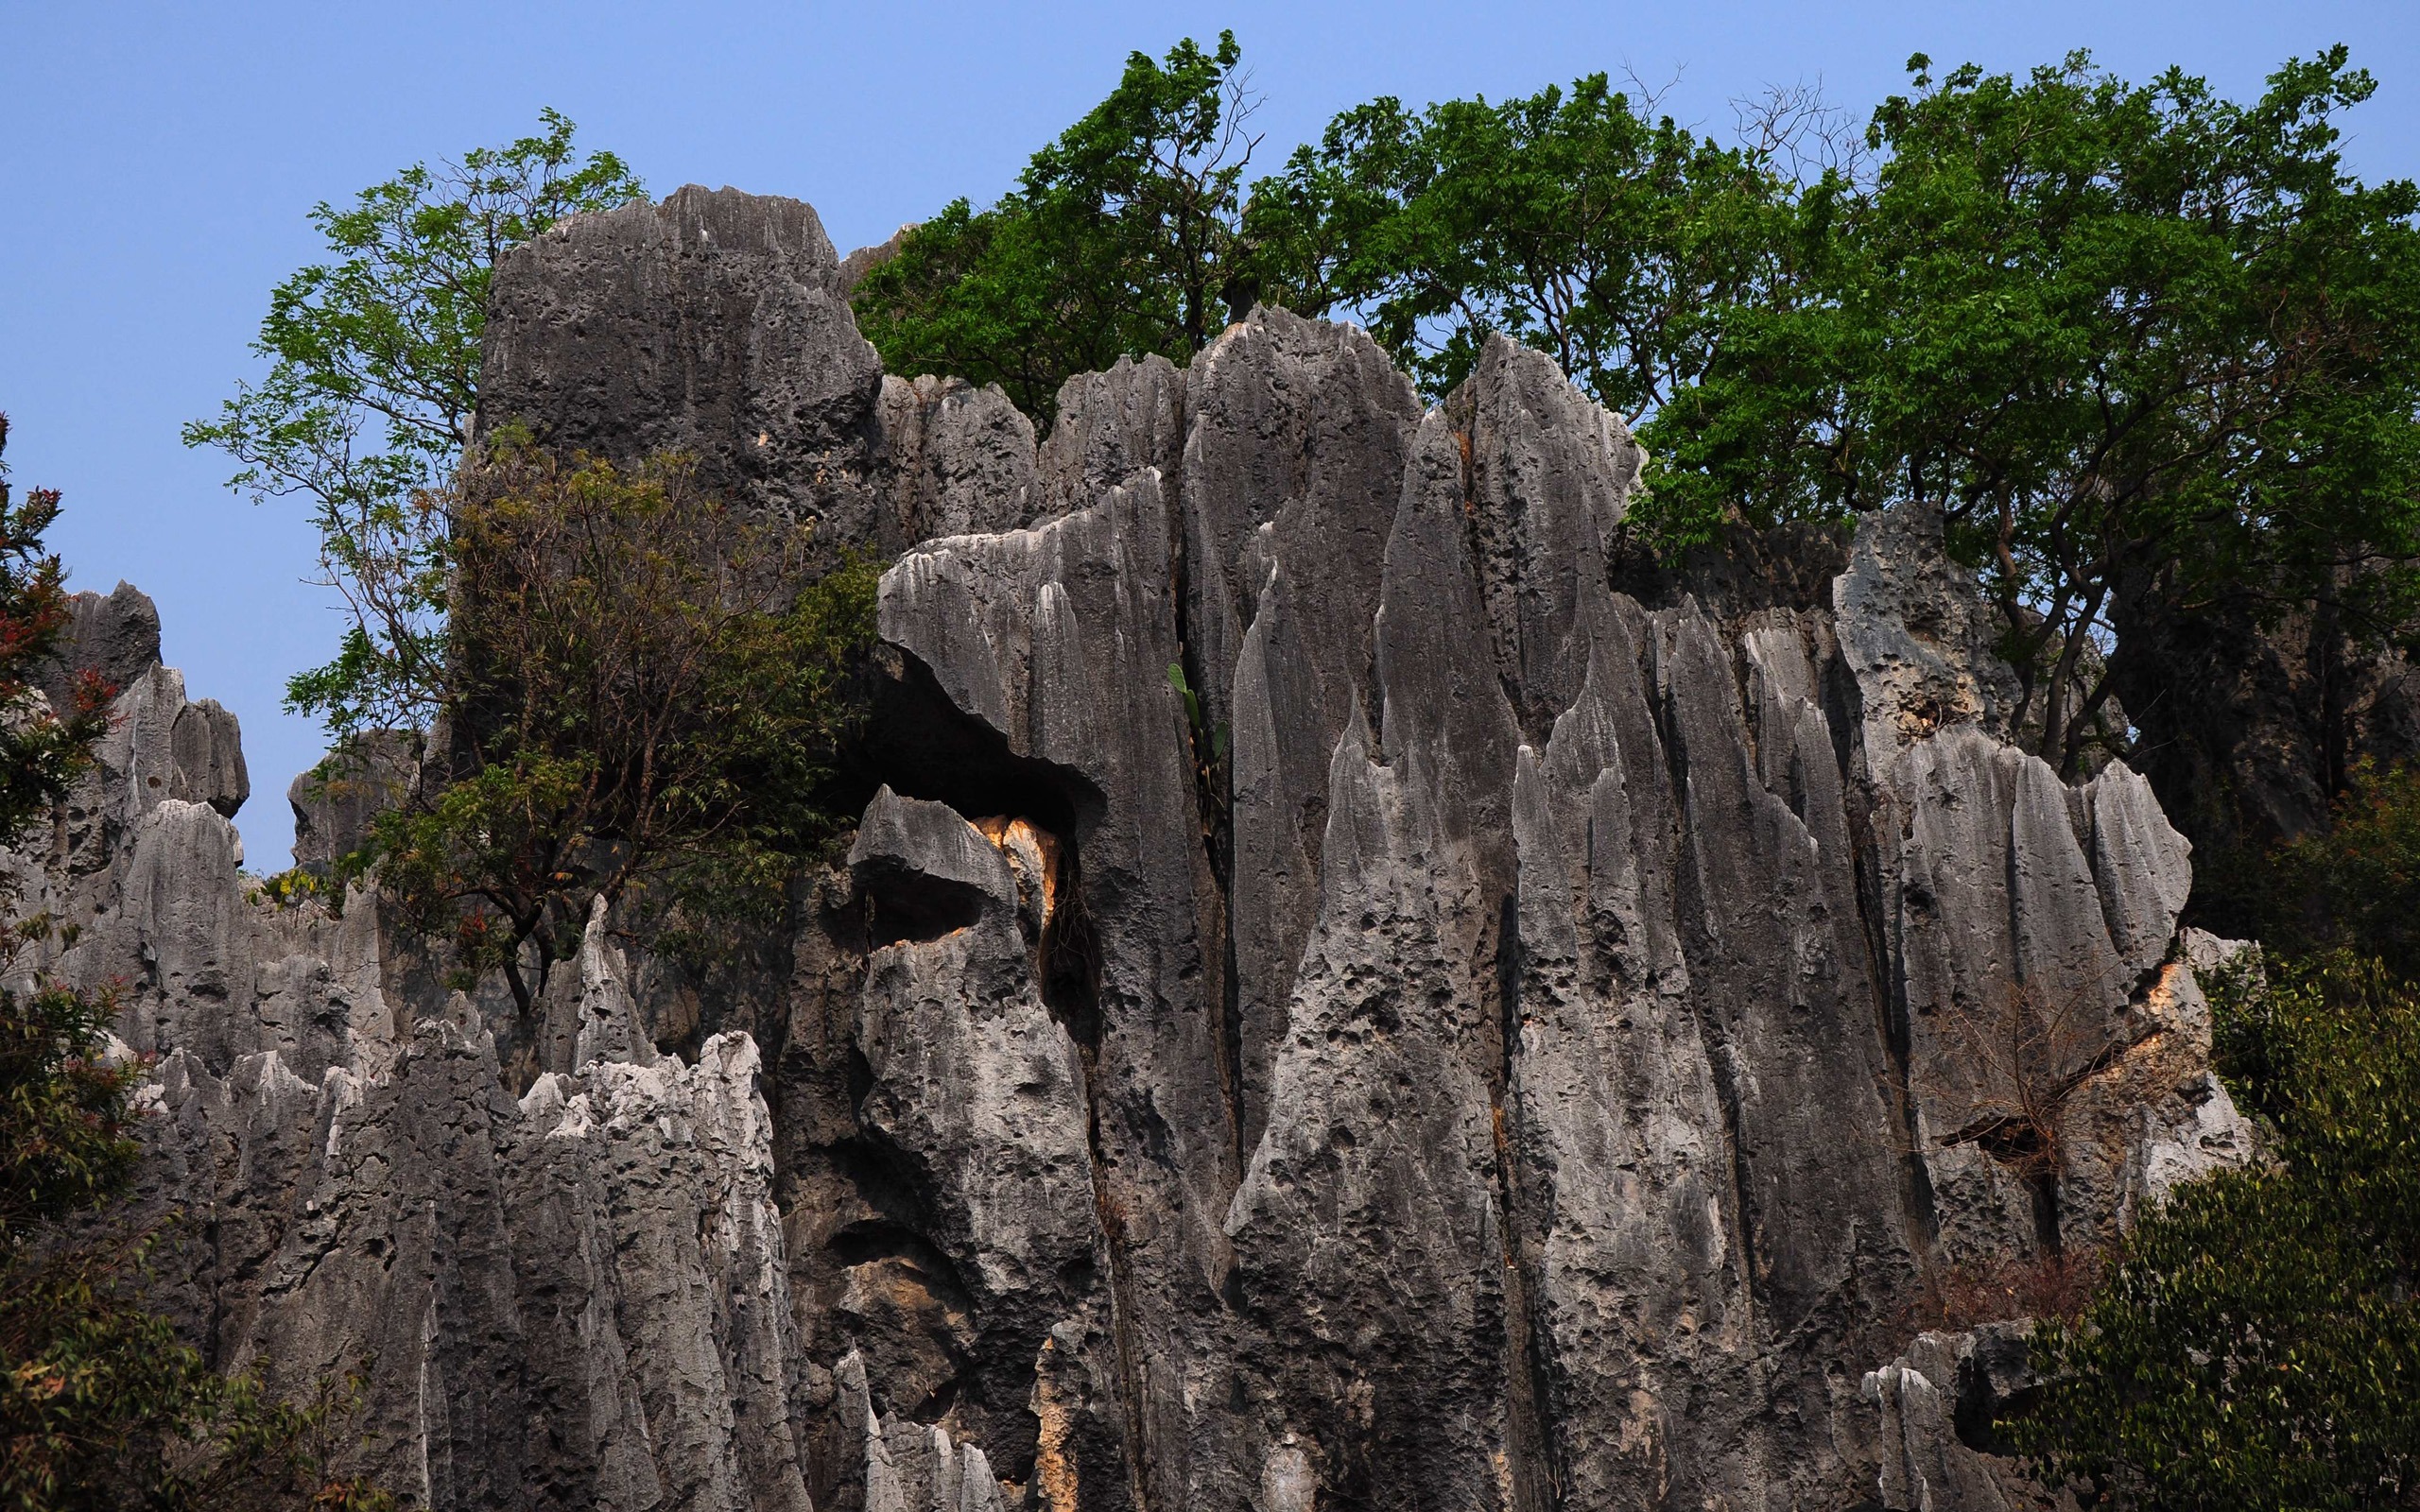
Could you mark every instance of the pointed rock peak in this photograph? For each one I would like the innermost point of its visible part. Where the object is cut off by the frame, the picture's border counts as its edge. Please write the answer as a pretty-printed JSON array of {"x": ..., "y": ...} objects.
[
  {"x": 609, "y": 1022},
  {"x": 1913, "y": 631}
]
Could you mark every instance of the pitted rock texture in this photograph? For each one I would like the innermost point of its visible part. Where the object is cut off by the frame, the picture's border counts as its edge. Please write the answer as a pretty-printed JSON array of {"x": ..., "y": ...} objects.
[
  {"x": 717, "y": 325},
  {"x": 1506, "y": 1040}
]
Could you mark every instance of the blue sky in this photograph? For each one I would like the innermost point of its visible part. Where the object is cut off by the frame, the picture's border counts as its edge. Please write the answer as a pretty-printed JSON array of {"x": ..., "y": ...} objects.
[{"x": 156, "y": 163}]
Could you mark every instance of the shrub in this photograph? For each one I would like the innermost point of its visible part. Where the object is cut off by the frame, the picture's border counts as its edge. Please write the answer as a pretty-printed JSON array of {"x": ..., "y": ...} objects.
[{"x": 2256, "y": 1343}]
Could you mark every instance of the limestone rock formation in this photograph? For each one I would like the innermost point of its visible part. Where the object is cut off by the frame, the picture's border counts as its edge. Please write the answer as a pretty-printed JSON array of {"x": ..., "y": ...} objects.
[
  {"x": 113, "y": 636},
  {"x": 1504, "y": 1042}
]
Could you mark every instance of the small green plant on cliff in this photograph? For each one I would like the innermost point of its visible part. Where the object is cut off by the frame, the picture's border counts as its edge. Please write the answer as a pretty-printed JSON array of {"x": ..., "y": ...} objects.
[
  {"x": 373, "y": 381},
  {"x": 2257, "y": 1342},
  {"x": 637, "y": 696},
  {"x": 101, "y": 1404}
]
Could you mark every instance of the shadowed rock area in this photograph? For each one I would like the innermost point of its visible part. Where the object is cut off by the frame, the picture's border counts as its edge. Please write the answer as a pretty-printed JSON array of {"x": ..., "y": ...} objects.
[{"x": 1528, "y": 1046}]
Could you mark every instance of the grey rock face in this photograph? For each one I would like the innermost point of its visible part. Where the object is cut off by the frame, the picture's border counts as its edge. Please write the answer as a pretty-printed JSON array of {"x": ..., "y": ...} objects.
[
  {"x": 1521, "y": 1043},
  {"x": 961, "y": 457},
  {"x": 333, "y": 806},
  {"x": 712, "y": 324},
  {"x": 161, "y": 748},
  {"x": 1937, "y": 1402},
  {"x": 113, "y": 636}
]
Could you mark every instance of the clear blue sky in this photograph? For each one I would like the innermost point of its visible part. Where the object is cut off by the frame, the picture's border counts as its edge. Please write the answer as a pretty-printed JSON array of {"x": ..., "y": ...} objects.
[{"x": 156, "y": 163}]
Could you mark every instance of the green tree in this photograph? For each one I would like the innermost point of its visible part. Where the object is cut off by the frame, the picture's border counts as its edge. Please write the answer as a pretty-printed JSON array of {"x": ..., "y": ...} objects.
[
  {"x": 637, "y": 696},
  {"x": 2130, "y": 339},
  {"x": 373, "y": 381},
  {"x": 2258, "y": 1343},
  {"x": 101, "y": 1405},
  {"x": 1119, "y": 239},
  {"x": 1568, "y": 220}
]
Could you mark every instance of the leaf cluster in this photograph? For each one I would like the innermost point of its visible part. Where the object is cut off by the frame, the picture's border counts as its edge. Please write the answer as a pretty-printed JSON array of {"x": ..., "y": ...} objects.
[
  {"x": 637, "y": 695},
  {"x": 1119, "y": 239},
  {"x": 1568, "y": 220},
  {"x": 373, "y": 383},
  {"x": 2257, "y": 1341},
  {"x": 2128, "y": 337}
]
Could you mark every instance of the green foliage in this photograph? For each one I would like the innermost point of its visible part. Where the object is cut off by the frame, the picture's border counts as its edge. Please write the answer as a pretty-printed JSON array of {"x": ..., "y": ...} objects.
[
  {"x": 2123, "y": 336},
  {"x": 65, "y": 1142},
  {"x": 1119, "y": 239},
  {"x": 637, "y": 696},
  {"x": 2352, "y": 886},
  {"x": 1567, "y": 220},
  {"x": 373, "y": 384},
  {"x": 2258, "y": 1343}
]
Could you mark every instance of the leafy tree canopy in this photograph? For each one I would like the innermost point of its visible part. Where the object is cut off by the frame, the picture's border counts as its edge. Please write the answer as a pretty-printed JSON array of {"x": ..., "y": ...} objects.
[
  {"x": 1119, "y": 238},
  {"x": 373, "y": 381},
  {"x": 2130, "y": 339},
  {"x": 1567, "y": 220}
]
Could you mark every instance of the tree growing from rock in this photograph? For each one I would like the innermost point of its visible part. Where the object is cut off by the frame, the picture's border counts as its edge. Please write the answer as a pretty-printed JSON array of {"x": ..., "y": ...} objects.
[{"x": 637, "y": 696}]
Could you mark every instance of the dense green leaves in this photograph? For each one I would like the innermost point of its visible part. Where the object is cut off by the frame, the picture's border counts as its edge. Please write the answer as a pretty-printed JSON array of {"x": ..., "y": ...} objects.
[
  {"x": 2131, "y": 339},
  {"x": 1566, "y": 221},
  {"x": 373, "y": 381},
  {"x": 638, "y": 695},
  {"x": 2258, "y": 1343},
  {"x": 1119, "y": 239}
]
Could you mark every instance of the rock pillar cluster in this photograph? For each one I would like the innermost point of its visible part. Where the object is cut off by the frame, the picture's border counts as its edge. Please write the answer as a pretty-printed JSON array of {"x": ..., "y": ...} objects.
[{"x": 1332, "y": 1003}]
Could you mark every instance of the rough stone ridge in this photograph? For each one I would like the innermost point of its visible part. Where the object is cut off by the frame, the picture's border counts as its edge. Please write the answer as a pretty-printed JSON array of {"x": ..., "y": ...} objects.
[{"x": 1515, "y": 1041}]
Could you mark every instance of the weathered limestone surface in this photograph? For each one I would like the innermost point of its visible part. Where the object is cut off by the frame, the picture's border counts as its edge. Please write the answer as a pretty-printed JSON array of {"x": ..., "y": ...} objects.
[{"x": 1517, "y": 1042}]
